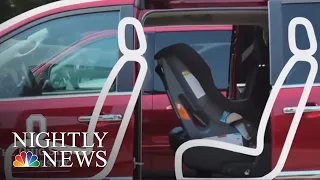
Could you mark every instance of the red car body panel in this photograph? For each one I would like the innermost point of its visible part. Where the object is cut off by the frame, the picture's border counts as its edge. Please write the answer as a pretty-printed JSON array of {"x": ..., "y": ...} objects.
[
  {"x": 62, "y": 116},
  {"x": 304, "y": 154}
]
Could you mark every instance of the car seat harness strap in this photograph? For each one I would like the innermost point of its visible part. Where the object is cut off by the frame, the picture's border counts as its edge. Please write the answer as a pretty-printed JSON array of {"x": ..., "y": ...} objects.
[
  {"x": 235, "y": 120},
  {"x": 224, "y": 117}
]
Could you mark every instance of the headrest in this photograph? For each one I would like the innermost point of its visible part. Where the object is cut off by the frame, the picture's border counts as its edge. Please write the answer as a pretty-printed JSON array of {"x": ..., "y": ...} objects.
[
  {"x": 191, "y": 59},
  {"x": 196, "y": 65}
]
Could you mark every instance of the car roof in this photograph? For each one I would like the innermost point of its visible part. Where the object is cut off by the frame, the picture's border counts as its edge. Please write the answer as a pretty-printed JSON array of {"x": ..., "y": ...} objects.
[
  {"x": 68, "y": 5},
  {"x": 150, "y": 4}
]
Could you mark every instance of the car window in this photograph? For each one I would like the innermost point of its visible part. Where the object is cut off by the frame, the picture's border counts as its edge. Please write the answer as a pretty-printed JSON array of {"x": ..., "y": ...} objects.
[
  {"x": 44, "y": 58},
  {"x": 213, "y": 46},
  {"x": 87, "y": 68},
  {"x": 300, "y": 71}
]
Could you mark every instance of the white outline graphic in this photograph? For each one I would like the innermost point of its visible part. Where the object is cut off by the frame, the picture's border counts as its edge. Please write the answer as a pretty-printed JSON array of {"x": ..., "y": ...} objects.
[
  {"x": 298, "y": 55},
  {"x": 128, "y": 55}
]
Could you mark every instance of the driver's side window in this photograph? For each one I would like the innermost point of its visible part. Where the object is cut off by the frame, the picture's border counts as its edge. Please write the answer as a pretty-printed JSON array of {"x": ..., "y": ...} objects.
[
  {"x": 85, "y": 69},
  {"x": 68, "y": 55}
]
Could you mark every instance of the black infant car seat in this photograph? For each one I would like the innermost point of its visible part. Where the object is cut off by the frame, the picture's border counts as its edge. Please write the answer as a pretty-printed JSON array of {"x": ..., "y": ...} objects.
[{"x": 194, "y": 96}]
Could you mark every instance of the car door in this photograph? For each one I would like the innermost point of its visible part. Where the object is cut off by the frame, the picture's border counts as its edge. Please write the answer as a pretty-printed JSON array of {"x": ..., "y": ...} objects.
[
  {"x": 215, "y": 50},
  {"x": 304, "y": 156},
  {"x": 66, "y": 58}
]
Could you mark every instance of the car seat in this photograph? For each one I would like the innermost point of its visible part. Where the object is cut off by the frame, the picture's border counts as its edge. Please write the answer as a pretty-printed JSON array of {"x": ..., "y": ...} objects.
[{"x": 194, "y": 96}]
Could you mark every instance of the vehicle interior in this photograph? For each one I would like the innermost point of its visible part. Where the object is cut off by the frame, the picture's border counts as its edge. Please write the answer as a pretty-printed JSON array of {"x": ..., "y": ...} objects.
[{"x": 202, "y": 109}]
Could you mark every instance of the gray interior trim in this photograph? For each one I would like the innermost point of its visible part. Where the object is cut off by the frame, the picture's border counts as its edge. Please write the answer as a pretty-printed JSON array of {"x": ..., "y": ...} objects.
[
  {"x": 275, "y": 46},
  {"x": 140, "y": 4},
  {"x": 247, "y": 52},
  {"x": 236, "y": 16}
]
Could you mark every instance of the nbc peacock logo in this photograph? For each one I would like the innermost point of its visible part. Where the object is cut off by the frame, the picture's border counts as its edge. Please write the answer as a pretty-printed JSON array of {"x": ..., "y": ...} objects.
[{"x": 26, "y": 160}]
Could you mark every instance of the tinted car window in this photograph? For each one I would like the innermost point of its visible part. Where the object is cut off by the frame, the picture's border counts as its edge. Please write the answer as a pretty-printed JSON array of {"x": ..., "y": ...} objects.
[
  {"x": 53, "y": 59},
  {"x": 300, "y": 71},
  {"x": 213, "y": 46}
]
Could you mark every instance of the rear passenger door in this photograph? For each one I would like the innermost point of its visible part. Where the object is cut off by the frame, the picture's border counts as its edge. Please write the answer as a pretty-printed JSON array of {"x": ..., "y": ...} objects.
[
  {"x": 304, "y": 156},
  {"x": 213, "y": 44}
]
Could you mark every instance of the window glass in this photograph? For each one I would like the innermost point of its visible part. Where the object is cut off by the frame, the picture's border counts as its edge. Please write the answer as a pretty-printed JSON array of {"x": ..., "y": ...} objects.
[
  {"x": 87, "y": 68},
  {"x": 213, "y": 46},
  {"x": 149, "y": 56},
  {"x": 67, "y": 55},
  {"x": 300, "y": 71}
]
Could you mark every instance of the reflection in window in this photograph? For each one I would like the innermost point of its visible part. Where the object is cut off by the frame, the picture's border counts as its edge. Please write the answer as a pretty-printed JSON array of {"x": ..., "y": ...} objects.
[{"x": 300, "y": 71}]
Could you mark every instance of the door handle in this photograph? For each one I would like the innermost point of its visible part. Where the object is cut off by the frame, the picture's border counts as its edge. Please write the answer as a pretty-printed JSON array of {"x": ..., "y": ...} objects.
[
  {"x": 292, "y": 110},
  {"x": 106, "y": 118}
]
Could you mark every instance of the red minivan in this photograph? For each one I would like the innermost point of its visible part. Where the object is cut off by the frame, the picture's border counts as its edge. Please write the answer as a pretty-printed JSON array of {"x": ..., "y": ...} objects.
[{"x": 55, "y": 59}]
